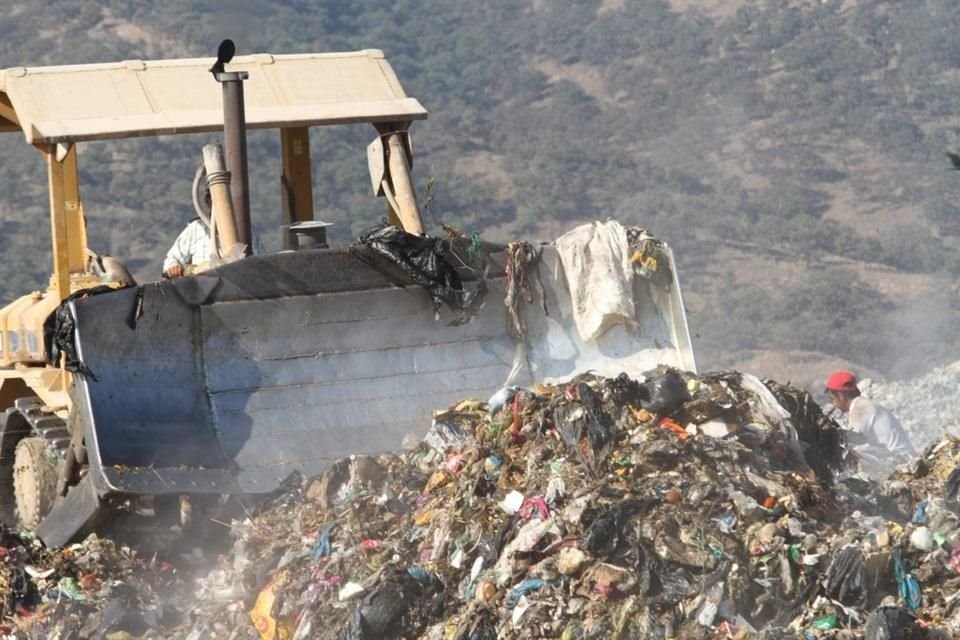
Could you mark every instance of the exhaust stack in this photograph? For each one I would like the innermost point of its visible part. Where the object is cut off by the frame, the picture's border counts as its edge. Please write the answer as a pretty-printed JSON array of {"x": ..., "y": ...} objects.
[{"x": 235, "y": 140}]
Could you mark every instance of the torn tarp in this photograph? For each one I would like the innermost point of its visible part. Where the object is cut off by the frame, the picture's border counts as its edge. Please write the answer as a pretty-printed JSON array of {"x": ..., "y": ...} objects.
[
  {"x": 424, "y": 260},
  {"x": 596, "y": 261}
]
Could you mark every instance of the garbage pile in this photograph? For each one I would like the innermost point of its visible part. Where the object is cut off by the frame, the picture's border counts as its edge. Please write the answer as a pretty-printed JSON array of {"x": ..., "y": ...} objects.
[
  {"x": 676, "y": 506},
  {"x": 928, "y": 407},
  {"x": 95, "y": 589}
]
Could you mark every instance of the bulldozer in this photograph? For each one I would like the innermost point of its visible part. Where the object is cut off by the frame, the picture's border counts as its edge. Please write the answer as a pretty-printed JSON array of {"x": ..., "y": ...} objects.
[{"x": 253, "y": 367}]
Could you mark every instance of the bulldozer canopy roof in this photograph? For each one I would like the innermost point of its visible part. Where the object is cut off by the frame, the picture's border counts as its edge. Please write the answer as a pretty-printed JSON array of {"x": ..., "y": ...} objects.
[{"x": 72, "y": 103}]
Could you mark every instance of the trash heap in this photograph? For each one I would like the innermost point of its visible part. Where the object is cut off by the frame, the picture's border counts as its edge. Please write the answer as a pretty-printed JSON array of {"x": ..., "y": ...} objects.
[
  {"x": 679, "y": 506},
  {"x": 95, "y": 589}
]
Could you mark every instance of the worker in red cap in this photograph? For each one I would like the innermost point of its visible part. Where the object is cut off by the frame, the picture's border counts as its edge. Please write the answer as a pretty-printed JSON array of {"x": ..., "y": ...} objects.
[{"x": 875, "y": 433}]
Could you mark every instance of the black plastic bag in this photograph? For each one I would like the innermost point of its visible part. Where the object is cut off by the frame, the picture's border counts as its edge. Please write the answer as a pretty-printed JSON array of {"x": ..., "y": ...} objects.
[
  {"x": 586, "y": 418},
  {"x": 605, "y": 532},
  {"x": 676, "y": 583},
  {"x": 423, "y": 259},
  {"x": 121, "y": 614},
  {"x": 22, "y": 592},
  {"x": 58, "y": 332},
  {"x": 667, "y": 393},
  {"x": 568, "y": 419},
  {"x": 951, "y": 491},
  {"x": 401, "y": 606},
  {"x": 824, "y": 440},
  {"x": 847, "y": 578},
  {"x": 626, "y": 390},
  {"x": 645, "y": 568},
  {"x": 892, "y": 623},
  {"x": 599, "y": 426},
  {"x": 609, "y": 528}
]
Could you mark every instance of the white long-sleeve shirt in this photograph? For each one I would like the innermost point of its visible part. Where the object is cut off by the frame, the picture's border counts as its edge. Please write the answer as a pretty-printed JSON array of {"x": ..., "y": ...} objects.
[
  {"x": 191, "y": 247},
  {"x": 883, "y": 433}
]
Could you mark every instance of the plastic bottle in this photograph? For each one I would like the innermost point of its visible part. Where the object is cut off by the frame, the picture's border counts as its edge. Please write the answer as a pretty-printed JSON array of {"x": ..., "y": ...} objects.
[{"x": 708, "y": 610}]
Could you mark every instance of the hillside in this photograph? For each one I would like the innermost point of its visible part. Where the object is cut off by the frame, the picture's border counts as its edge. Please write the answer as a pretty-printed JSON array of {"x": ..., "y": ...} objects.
[{"x": 791, "y": 151}]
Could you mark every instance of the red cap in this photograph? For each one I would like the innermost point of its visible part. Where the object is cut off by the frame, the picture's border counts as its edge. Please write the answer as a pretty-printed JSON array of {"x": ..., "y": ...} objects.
[{"x": 842, "y": 381}]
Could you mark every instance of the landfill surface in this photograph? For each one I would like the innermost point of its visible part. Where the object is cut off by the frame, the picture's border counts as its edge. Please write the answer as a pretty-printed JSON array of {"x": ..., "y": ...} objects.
[{"x": 669, "y": 506}]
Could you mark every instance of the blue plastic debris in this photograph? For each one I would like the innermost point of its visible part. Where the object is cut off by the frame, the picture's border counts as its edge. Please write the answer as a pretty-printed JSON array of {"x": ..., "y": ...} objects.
[
  {"x": 920, "y": 513},
  {"x": 527, "y": 586},
  {"x": 908, "y": 585},
  {"x": 323, "y": 547},
  {"x": 421, "y": 574}
]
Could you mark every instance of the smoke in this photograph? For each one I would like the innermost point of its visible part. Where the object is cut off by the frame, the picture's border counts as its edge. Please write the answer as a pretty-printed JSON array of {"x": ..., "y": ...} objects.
[{"x": 922, "y": 332}]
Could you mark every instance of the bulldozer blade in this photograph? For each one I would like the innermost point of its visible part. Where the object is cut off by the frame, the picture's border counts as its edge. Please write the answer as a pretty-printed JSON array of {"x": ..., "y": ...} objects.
[
  {"x": 76, "y": 512},
  {"x": 296, "y": 359}
]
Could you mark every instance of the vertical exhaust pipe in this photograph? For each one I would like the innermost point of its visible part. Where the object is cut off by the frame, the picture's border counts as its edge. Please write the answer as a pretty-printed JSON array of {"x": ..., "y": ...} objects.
[
  {"x": 235, "y": 140},
  {"x": 218, "y": 181}
]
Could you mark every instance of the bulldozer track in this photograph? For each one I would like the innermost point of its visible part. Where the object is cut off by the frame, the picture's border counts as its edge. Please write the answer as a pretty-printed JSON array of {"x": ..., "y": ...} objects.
[
  {"x": 51, "y": 428},
  {"x": 34, "y": 482}
]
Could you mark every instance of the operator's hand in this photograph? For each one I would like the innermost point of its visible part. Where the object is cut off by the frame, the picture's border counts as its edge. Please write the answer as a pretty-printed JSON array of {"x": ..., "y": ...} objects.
[{"x": 176, "y": 271}]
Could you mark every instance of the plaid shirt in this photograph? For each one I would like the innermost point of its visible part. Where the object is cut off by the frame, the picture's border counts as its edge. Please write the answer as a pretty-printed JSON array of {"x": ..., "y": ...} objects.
[{"x": 191, "y": 247}]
